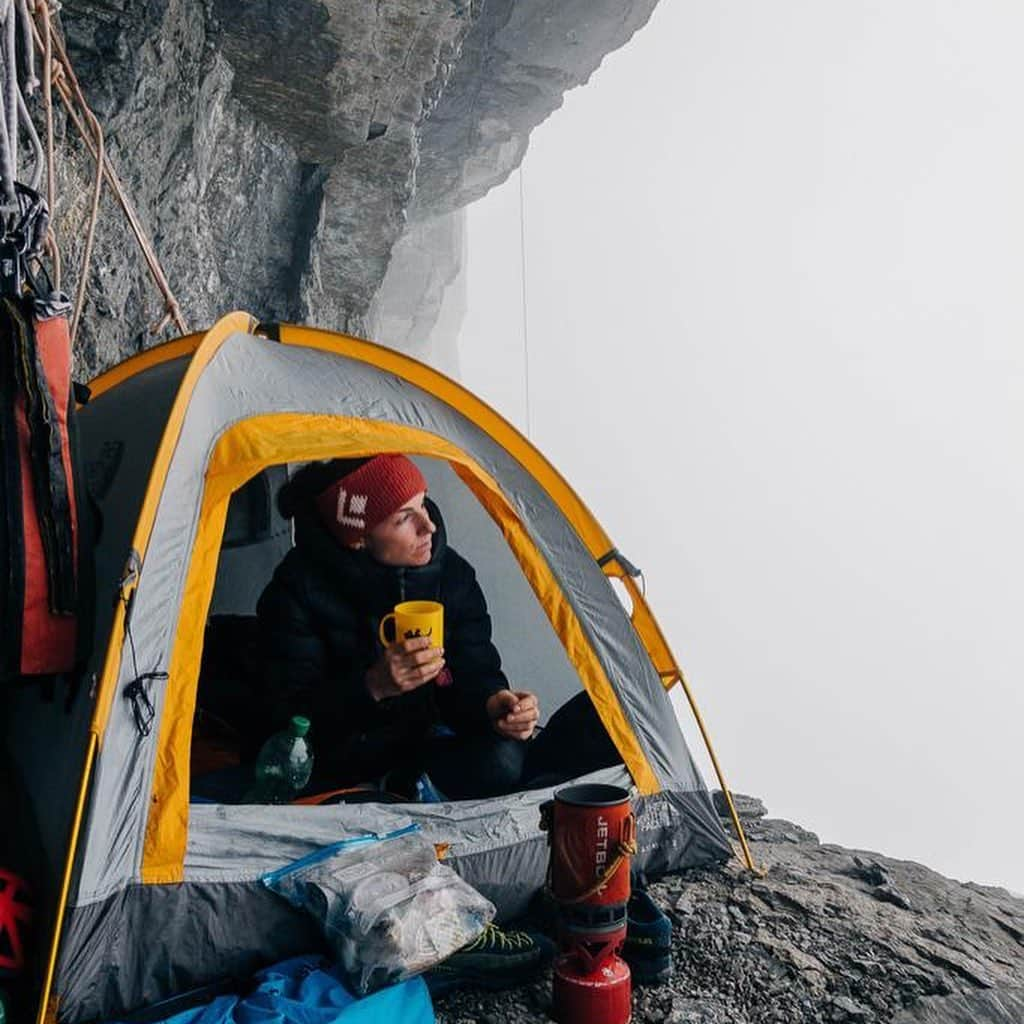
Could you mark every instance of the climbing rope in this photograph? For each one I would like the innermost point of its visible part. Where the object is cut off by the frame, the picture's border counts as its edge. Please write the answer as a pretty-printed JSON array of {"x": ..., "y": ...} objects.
[
  {"x": 28, "y": 29},
  {"x": 15, "y": 116},
  {"x": 522, "y": 279},
  {"x": 80, "y": 114},
  {"x": 61, "y": 75}
]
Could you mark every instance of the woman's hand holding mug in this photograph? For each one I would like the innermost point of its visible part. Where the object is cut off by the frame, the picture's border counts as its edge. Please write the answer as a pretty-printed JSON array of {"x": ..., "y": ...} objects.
[
  {"x": 415, "y": 656},
  {"x": 404, "y": 667}
]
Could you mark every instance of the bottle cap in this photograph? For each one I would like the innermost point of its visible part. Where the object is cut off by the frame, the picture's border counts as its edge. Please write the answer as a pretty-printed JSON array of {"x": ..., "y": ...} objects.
[{"x": 298, "y": 726}]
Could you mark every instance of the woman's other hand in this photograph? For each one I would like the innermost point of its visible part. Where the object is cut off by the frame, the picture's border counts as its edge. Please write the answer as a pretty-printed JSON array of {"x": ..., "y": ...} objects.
[
  {"x": 513, "y": 713},
  {"x": 404, "y": 667}
]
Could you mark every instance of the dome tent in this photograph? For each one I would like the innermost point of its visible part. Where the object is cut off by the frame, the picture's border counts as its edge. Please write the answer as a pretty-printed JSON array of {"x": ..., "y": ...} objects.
[{"x": 168, "y": 437}]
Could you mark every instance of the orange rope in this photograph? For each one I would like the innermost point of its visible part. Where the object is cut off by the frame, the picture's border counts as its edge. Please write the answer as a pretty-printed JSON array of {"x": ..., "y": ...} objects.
[
  {"x": 71, "y": 95},
  {"x": 53, "y": 251},
  {"x": 94, "y": 212}
]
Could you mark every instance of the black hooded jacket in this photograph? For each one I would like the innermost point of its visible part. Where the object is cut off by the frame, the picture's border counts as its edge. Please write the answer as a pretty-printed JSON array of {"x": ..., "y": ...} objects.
[{"x": 318, "y": 622}]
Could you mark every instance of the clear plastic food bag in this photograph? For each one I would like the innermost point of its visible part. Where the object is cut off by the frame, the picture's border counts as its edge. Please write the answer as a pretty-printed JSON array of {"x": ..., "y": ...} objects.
[{"x": 388, "y": 909}]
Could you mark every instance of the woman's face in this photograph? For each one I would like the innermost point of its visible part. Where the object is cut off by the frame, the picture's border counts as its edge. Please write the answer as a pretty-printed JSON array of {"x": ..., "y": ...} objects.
[{"x": 404, "y": 538}]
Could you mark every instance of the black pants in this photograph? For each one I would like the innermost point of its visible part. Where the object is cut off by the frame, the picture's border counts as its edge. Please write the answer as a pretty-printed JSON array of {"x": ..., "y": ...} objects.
[
  {"x": 573, "y": 743},
  {"x": 463, "y": 767}
]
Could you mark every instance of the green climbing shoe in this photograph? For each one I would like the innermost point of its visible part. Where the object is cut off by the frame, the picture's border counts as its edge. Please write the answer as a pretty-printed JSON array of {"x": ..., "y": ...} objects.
[{"x": 495, "y": 959}]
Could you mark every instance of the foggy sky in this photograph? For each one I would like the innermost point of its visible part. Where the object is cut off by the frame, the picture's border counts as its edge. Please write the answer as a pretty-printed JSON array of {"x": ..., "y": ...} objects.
[{"x": 774, "y": 268}]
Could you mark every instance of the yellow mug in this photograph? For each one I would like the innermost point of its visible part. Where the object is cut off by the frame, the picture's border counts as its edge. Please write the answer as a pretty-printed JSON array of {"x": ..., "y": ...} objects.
[{"x": 415, "y": 618}]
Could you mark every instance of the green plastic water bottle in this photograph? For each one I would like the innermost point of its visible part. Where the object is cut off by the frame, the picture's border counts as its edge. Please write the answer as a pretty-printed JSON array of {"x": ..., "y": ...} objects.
[{"x": 284, "y": 765}]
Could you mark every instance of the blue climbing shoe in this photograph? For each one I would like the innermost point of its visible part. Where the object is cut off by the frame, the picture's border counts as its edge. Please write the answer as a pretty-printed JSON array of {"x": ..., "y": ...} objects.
[{"x": 648, "y": 945}]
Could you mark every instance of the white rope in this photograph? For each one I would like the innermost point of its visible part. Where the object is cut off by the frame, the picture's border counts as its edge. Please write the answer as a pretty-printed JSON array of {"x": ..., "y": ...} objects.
[
  {"x": 16, "y": 25},
  {"x": 8, "y": 106},
  {"x": 522, "y": 276},
  {"x": 28, "y": 48},
  {"x": 6, "y": 167},
  {"x": 37, "y": 147},
  {"x": 11, "y": 91}
]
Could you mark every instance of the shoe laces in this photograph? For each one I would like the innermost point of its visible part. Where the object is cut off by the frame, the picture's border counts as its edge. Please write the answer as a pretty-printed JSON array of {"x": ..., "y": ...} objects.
[{"x": 493, "y": 937}]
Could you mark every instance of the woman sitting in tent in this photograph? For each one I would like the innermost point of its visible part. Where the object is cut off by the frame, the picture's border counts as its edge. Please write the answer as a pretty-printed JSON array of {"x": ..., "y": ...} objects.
[{"x": 367, "y": 538}]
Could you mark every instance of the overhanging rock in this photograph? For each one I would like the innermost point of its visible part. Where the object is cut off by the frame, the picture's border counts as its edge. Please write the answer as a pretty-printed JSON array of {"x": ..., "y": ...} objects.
[{"x": 277, "y": 153}]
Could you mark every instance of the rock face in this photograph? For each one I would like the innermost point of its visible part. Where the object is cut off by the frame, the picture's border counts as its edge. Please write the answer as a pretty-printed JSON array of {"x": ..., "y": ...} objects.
[
  {"x": 826, "y": 935},
  {"x": 280, "y": 153}
]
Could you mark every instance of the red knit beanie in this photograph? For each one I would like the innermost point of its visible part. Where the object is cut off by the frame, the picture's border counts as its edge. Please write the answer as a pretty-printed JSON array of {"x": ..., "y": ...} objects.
[{"x": 353, "y": 505}]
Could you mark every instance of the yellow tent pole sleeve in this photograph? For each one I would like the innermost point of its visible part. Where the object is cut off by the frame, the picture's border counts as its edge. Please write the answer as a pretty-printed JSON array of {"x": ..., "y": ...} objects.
[
  {"x": 721, "y": 777},
  {"x": 240, "y": 453},
  {"x": 65, "y": 887}
]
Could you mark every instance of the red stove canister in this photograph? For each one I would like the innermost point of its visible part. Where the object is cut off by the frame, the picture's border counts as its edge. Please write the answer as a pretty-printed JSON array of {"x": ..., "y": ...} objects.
[
  {"x": 591, "y": 946},
  {"x": 599, "y": 996}
]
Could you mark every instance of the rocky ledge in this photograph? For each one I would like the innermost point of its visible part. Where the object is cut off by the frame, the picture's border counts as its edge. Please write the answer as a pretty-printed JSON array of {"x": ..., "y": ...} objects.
[{"x": 827, "y": 934}]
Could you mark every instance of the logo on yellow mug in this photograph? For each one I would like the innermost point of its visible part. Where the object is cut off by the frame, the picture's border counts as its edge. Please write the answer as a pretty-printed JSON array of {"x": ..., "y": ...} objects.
[{"x": 415, "y": 619}]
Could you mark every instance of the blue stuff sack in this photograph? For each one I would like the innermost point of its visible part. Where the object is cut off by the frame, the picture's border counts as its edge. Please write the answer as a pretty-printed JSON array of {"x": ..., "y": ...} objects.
[{"x": 307, "y": 990}]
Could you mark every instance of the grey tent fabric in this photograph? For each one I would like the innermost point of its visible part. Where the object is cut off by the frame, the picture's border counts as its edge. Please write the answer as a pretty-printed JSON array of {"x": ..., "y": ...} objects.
[
  {"x": 113, "y": 915},
  {"x": 119, "y": 437},
  {"x": 226, "y": 924}
]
